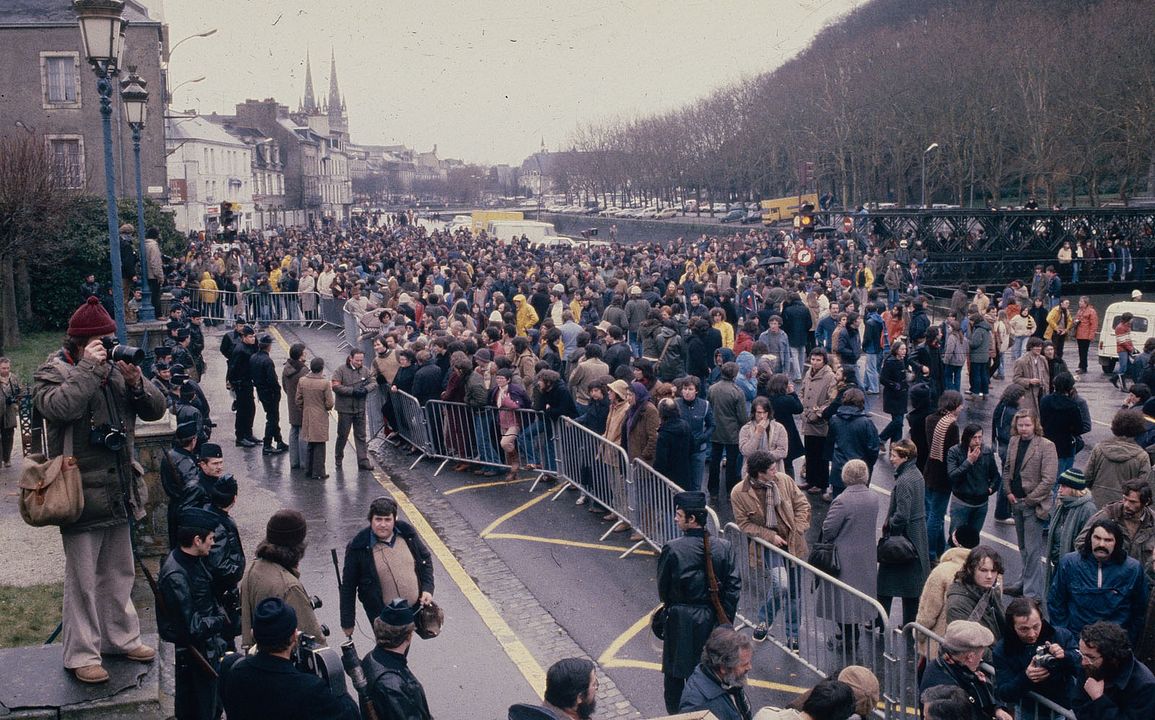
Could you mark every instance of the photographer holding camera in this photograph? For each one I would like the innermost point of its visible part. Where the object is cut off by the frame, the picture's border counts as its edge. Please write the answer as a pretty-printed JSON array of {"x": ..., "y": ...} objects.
[
  {"x": 268, "y": 684},
  {"x": 90, "y": 395},
  {"x": 1036, "y": 656}
]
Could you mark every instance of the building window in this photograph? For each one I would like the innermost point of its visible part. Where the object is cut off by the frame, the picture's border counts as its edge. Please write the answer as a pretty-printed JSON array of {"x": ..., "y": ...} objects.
[
  {"x": 60, "y": 79},
  {"x": 66, "y": 153}
]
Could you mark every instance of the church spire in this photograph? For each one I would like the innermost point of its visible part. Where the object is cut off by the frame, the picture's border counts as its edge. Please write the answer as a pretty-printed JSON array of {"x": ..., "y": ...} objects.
[
  {"x": 336, "y": 108},
  {"x": 310, "y": 103}
]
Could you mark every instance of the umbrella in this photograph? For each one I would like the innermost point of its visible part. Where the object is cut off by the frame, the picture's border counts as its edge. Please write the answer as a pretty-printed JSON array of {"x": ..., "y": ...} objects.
[{"x": 765, "y": 262}]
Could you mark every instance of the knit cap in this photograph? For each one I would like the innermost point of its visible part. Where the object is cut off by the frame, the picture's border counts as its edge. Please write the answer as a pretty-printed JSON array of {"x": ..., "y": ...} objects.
[{"x": 91, "y": 320}]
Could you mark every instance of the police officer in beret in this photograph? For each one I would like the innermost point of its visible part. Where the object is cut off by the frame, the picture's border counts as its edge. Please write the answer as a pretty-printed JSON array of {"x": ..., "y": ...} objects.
[
  {"x": 180, "y": 475},
  {"x": 268, "y": 387},
  {"x": 393, "y": 688},
  {"x": 684, "y": 590},
  {"x": 267, "y": 684},
  {"x": 240, "y": 381},
  {"x": 190, "y": 617},
  {"x": 226, "y": 561}
]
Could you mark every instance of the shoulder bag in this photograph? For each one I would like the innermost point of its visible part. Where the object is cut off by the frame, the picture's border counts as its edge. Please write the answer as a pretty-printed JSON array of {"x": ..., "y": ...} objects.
[
  {"x": 824, "y": 556},
  {"x": 895, "y": 550},
  {"x": 51, "y": 490}
]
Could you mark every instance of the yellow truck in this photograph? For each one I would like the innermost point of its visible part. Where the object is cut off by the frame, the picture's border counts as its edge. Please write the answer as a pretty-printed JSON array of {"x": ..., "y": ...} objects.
[
  {"x": 482, "y": 218},
  {"x": 784, "y": 208}
]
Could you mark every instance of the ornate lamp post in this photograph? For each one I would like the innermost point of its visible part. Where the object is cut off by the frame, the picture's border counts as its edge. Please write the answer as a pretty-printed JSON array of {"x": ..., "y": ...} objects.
[
  {"x": 102, "y": 29},
  {"x": 134, "y": 100}
]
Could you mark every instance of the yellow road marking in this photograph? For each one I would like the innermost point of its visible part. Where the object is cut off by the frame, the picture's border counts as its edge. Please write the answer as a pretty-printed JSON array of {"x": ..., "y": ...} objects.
[
  {"x": 512, "y": 513},
  {"x": 278, "y": 337},
  {"x": 988, "y": 536},
  {"x": 510, "y": 643},
  {"x": 562, "y": 541},
  {"x": 478, "y": 486},
  {"x": 609, "y": 658}
]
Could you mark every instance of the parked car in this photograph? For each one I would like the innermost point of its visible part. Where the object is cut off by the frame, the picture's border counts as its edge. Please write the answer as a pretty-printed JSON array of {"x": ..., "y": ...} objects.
[
  {"x": 752, "y": 216},
  {"x": 1142, "y": 327},
  {"x": 666, "y": 214},
  {"x": 736, "y": 215}
]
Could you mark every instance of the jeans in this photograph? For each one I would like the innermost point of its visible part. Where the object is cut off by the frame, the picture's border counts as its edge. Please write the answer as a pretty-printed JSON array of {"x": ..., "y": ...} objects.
[
  {"x": 980, "y": 378},
  {"x": 952, "y": 377},
  {"x": 1017, "y": 345},
  {"x": 1075, "y": 268},
  {"x": 1065, "y": 464},
  {"x": 1003, "y": 362},
  {"x": 785, "y": 583},
  {"x": 871, "y": 376},
  {"x": 1030, "y": 532},
  {"x": 733, "y": 466},
  {"x": 483, "y": 430},
  {"x": 635, "y": 343},
  {"x": 1111, "y": 271},
  {"x": 697, "y": 469},
  {"x": 893, "y": 429},
  {"x": 936, "y": 502},
  {"x": 532, "y": 439},
  {"x": 1124, "y": 363},
  {"x": 891, "y": 297},
  {"x": 797, "y": 362},
  {"x": 963, "y": 515},
  {"x": 298, "y": 451}
]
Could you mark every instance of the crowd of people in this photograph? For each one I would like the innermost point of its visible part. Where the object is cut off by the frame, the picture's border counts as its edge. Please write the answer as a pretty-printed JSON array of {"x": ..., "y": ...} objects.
[{"x": 710, "y": 358}]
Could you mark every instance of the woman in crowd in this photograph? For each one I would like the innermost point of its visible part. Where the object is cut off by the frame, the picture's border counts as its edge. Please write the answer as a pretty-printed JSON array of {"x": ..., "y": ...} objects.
[
  {"x": 850, "y": 525},
  {"x": 852, "y": 436},
  {"x": 819, "y": 386},
  {"x": 976, "y": 593},
  {"x": 784, "y": 404},
  {"x": 974, "y": 476},
  {"x": 905, "y": 517},
  {"x": 895, "y": 391}
]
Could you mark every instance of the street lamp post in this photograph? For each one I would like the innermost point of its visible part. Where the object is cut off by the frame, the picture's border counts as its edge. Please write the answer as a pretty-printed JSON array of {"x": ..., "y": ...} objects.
[
  {"x": 134, "y": 100},
  {"x": 930, "y": 148},
  {"x": 102, "y": 30}
]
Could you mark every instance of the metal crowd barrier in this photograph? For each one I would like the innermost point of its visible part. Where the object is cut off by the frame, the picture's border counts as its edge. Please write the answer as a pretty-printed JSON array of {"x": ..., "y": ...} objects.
[
  {"x": 411, "y": 425},
  {"x": 469, "y": 434},
  {"x": 598, "y": 468},
  {"x": 352, "y": 331},
  {"x": 257, "y": 307},
  {"x": 901, "y": 684},
  {"x": 825, "y": 622},
  {"x": 653, "y": 515}
]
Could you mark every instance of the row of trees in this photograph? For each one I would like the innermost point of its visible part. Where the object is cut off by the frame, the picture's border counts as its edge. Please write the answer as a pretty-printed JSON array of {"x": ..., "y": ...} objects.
[
  {"x": 51, "y": 237},
  {"x": 1052, "y": 98}
]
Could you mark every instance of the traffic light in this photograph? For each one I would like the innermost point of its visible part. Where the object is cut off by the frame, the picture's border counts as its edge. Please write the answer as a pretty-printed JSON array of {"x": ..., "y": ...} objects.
[{"x": 804, "y": 220}]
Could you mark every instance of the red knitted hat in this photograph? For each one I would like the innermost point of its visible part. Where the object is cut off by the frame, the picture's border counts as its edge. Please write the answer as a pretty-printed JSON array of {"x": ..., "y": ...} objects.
[{"x": 91, "y": 320}]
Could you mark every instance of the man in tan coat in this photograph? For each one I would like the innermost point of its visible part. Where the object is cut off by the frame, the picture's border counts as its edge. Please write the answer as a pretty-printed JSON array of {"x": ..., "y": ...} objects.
[
  {"x": 1032, "y": 372},
  {"x": 768, "y": 505},
  {"x": 315, "y": 399}
]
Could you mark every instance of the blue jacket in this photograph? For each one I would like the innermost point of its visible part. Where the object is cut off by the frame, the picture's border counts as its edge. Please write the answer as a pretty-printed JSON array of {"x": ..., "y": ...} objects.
[
  {"x": 824, "y": 331},
  {"x": 872, "y": 336},
  {"x": 1011, "y": 658},
  {"x": 700, "y": 417},
  {"x": 852, "y": 436},
  {"x": 703, "y": 692},
  {"x": 1078, "y": 596}
]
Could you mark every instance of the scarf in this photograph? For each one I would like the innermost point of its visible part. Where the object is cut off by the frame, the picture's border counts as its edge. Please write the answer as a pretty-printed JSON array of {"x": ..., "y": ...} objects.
[
  {"x": 771, "y": 502},
  {"x": 938, "y": 442}
]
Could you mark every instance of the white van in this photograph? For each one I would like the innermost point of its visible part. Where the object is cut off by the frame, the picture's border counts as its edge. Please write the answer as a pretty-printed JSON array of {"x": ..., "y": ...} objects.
[
  {"x": 505, "y": 230},
  {"x": 1142, "y": 327}
]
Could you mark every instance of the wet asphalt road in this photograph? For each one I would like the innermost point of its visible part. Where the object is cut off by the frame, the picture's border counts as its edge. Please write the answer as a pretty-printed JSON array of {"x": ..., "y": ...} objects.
[{"x": 550, "y": 548}]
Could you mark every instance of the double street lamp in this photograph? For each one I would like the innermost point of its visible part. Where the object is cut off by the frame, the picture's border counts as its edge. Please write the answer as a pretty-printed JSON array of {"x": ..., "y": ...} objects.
[
  {"x": 102, "y": 27},
  {"x": 134, "y": 100}
]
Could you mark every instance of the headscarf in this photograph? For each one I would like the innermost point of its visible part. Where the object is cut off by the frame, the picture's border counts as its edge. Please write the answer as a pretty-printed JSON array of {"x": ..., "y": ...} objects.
[{"x": 643, "y": 397}]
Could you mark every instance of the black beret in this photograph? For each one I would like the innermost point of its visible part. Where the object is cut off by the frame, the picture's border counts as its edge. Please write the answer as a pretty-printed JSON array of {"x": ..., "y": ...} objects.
[
  {"x": 273, "y": 621},
  {"x": 197, "y": 519},
  {"x": 211, "y": 450},
  {"x": 397, "y": 613},
  {"x": 224, "y": 490},
  {"x": 690, "y": 500}
]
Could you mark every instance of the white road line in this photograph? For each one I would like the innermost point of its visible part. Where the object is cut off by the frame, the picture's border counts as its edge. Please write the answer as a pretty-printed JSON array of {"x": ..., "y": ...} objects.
[{"x": 988, "y": 536}]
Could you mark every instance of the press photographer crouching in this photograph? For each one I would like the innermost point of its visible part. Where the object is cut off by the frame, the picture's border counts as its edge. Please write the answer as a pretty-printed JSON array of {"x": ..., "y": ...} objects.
[
  {"x": 1034, "y": 656},
  {"x": 268, "y": 684},
  {"x": 90, "y": 399}
]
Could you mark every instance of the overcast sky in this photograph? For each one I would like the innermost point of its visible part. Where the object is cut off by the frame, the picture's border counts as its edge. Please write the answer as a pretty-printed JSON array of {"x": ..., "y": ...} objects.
[{"x": 484, "y": 80}]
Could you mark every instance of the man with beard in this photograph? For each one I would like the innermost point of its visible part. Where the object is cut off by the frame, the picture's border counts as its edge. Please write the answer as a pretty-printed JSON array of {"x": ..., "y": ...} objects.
[
  {"x": 571, "y": 688},
  {"x": 719, "y": 682},
  {"x": 1099, "y": 583},
  {"x": 1118, "y": 687},
  {"x": 1137, "y": 518}
]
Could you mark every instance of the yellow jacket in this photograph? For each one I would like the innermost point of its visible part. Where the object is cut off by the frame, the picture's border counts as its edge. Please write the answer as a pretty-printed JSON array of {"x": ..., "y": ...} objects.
[
  {"x": 275, "y": 279},
  {"x": 526, "y": 315},
  {"x": 1053, "y": 322},
  {"x": 209, "y": 290},
  {"x": 727, "y": 331}
]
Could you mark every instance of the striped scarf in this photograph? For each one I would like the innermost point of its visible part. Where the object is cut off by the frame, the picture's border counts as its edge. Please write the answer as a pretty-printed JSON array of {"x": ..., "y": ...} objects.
[{"x": 938, "y": 446}]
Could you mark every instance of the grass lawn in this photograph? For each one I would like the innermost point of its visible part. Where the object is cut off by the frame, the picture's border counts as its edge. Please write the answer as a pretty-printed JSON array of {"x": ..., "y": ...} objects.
[
  {"x": 30, "y": 614},
  {"x": 34, "y": 348}
]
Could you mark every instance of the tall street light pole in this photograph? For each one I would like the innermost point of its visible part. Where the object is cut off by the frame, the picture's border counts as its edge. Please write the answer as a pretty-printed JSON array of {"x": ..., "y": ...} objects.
[
  {"x": 134, "y": 100},
  {"x": 929, "y": 149},
  {"x": 102, "y": 30}
]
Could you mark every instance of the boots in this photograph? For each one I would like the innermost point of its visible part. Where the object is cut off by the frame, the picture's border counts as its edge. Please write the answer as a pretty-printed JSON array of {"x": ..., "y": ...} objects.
[{"x": 514, "y": 466}]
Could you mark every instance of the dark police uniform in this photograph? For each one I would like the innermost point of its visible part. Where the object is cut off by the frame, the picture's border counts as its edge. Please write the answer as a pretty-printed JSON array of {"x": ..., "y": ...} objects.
[
  {"x": 394, "y": 689},
  {"x": 226, "y": 563},
  {"x": 684, "y": 589},
  {"x": 180, "y": 477},
  {"x": 241, "y": 378},
  {"x": 268, "y": 387},
  {"x": 192, "y": 619},
  {"x": 261, "y": 686}
]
